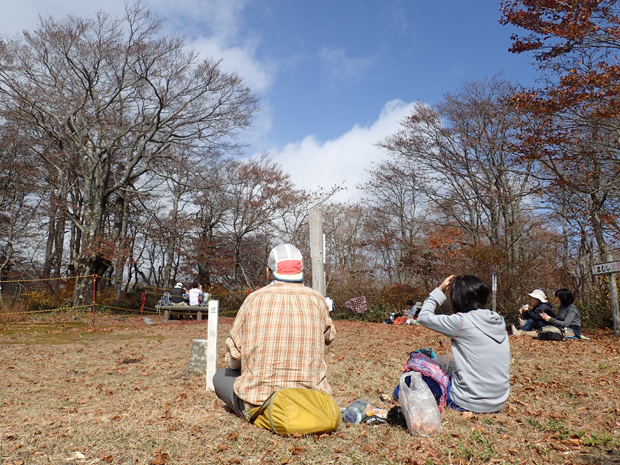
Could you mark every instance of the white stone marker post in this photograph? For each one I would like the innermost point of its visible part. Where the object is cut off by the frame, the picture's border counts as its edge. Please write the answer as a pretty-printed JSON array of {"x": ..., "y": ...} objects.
[{"x": 214, "y": 306}]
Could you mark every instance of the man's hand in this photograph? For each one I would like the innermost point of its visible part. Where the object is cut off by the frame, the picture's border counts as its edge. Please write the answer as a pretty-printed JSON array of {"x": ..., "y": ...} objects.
[
  {"x": 445, "y": 286},
  {"x": 544, "y": 316}
]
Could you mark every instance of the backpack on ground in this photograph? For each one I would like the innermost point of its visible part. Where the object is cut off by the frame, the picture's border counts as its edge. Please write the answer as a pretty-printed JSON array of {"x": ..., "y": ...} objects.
[
  {"x": 550, "y": 333},
  {"x": 295, "y": 410}
]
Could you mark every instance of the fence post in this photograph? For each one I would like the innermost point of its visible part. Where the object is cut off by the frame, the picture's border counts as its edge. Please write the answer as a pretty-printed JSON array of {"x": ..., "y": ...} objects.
[
  {"x": 214, "y": 306},
  {"x": 94, "y": 298},
  {"x": 142, "y": 304}
]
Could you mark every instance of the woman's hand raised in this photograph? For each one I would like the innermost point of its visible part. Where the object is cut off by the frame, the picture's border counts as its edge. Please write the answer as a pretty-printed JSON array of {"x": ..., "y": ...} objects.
[{"x": 445, "y": 286}]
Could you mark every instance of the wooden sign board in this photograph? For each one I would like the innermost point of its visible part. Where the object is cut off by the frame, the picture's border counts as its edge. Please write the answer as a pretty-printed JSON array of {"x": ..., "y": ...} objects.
[{"x": 604, "y": 268}]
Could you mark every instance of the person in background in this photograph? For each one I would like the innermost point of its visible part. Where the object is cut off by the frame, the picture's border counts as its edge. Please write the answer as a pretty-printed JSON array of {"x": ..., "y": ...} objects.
[
  {"x": 177, "y": 295},
  {"x": 195, "y": 293},
  {"x": 410, "y": 310},
  {"x": 278, "y": 339},
  {"x": 530, "y": 320},
  {"x": 481, "y": 379},
  {"x": 568, "y": 317},
  {"x": 418, "y": 308}
]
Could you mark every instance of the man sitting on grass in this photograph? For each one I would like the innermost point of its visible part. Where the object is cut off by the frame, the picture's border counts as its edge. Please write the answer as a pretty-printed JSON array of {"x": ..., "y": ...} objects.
[{"x": 278, "y": 339}]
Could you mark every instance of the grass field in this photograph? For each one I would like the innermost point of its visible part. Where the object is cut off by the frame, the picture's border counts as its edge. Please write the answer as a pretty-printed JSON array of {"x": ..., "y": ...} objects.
[{"x": 122, "y": 395}]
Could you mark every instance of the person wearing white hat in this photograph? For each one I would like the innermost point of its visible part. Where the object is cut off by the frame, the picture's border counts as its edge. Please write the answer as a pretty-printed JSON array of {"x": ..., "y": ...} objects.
[
  {"x": 177, "y": 294},
  {"x": 530, "y": 315}
]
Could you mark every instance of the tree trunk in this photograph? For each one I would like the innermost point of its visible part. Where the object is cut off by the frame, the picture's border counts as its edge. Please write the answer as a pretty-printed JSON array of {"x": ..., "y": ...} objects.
[
  {"x": 120, "y": 233},
  {"x": 605, "y": 254}
]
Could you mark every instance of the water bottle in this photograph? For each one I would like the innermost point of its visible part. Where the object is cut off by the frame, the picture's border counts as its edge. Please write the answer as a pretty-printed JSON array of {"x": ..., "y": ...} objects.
[{"x": 355, "y": 412}]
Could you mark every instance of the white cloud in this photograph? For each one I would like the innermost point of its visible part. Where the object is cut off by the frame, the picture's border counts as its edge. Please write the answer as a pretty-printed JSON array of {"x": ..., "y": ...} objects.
[
  {"x": 342, "y": 161},
  {"x": 222, "y": 18},
  {"x": 342, "y": 67},
  {"x": 24, "y": 15},
  {"x": 214, "y": 28},
  {"x": 237, "y": 59}
]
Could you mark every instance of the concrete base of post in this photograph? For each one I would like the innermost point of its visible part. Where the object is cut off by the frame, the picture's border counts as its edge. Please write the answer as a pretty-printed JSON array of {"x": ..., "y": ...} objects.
[
  {"x": 198, "y": 356},
  {"x": 199, "y": 316},
  {"x": 166, "y": 315}
]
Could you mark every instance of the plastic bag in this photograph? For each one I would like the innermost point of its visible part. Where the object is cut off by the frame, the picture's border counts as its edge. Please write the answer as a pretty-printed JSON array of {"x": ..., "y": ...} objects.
[{"x": 419, "y": 406}]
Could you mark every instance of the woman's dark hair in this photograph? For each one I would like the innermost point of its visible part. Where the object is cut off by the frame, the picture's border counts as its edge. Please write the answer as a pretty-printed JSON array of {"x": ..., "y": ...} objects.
[
  {"x": 468, "y": 293},
  {"x": 566, "y": 297},
  {"x": 410, "y": 303}
]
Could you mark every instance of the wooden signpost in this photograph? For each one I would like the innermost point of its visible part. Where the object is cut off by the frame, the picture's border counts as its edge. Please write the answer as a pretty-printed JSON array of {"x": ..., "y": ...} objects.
[
  {"x": 317, "y": 249},
  {"x": 611, "y": 268}
]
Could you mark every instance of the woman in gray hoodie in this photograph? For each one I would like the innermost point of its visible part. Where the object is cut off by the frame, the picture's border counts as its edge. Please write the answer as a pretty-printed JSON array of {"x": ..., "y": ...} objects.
[{"x": 480, "y": 348}]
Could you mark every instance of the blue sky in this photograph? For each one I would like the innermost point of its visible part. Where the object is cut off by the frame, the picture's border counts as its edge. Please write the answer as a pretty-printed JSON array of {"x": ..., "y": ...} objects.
[{"x": 333, "y": 78}]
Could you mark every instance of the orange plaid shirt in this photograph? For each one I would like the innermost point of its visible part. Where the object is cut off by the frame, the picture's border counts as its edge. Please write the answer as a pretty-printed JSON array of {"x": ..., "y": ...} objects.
[{"x": 280, "y": 335}]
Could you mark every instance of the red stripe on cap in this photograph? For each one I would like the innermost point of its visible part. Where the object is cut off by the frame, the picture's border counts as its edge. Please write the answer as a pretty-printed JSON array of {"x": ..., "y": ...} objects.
[{"x": 287, "y": 267}]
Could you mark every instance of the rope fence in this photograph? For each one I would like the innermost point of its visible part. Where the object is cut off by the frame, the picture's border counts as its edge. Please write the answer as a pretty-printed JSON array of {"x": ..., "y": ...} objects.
[
  {"x": 46, "y": 279},
  {"x": 144, "y": 309}
]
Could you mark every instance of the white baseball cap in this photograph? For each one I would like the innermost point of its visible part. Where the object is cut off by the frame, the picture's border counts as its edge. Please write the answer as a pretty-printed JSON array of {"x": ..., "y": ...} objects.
[{"x": 286, "y": 263}]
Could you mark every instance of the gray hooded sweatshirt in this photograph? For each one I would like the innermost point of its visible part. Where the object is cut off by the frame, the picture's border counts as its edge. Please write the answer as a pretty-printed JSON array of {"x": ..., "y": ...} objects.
[{"x": 480, "y": 380}]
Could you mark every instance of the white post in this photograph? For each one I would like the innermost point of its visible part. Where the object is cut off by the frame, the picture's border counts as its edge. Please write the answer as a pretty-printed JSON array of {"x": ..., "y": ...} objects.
[
  {"x": 316, "y": 249},
  {"x": 214, "y": 306},
  {"x": 494, "y": 292}
]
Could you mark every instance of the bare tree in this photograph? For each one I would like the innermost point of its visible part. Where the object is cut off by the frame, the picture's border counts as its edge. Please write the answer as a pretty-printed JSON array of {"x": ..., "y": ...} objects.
[
  {"x": 257, "y": 191},
  {"x": 18, "y": 208},
  {"x": 113, "y": 95},
  {"x": 462, "y": 150},
  {"x": 396, "y": 213}
]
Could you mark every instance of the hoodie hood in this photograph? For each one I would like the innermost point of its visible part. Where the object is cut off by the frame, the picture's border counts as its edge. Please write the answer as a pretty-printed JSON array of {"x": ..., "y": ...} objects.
[{"x": 490, "y": 323}]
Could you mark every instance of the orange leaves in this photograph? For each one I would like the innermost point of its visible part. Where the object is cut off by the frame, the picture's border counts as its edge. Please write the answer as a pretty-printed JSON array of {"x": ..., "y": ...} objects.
[
  {"x": 107, "y": 458},
  {"x": 296, "y": 450},
  {"x": 160, "y": 457}
]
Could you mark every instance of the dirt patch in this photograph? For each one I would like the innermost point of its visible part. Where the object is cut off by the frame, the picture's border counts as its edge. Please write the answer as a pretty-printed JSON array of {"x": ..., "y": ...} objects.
[{"x": 121, "y": 395}]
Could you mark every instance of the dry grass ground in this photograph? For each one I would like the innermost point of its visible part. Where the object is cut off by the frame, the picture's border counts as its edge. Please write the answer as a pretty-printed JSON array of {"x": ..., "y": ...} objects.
[{"x": 121, "y": 395}]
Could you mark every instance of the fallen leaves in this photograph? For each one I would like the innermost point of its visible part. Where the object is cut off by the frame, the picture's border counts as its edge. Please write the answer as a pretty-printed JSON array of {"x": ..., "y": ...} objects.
[
  {"x": 199, "y": 423},
  {"x": 106, "y": 458},
  {"x": 160, "y": 457}
]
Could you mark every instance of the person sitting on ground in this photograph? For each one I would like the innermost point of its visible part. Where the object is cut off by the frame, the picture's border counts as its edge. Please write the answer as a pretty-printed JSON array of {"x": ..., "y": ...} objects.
[
  {"x": 278, "y": 339},
  {"x": 531, "y": 320},
  {"x": 195, "y": 293},
  {"x": 412, "y": 312},
  {"x": 568, "y": 317},
  {"x": 177, "y": 295},
  {"x": 417, "y": 307},
  {"x": 480, "y": 380}
]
